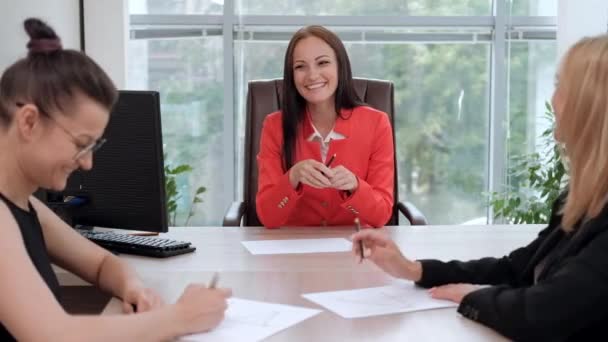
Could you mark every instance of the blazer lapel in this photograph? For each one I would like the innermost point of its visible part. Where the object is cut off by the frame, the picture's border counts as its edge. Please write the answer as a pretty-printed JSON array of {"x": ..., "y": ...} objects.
[
  {"x": 550, "y": 241},
  {"x": 584, "y": 233}
]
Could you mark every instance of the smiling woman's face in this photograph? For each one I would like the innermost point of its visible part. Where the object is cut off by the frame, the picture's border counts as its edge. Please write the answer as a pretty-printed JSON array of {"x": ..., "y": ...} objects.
[{"x": 315, "y": 70}]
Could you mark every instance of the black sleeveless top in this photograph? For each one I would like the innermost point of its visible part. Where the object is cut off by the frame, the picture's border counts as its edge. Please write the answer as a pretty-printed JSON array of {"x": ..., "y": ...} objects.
[{"x": 36, "y": 249}]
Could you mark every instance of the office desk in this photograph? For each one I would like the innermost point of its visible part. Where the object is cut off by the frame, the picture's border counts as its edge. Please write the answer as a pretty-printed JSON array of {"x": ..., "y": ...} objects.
[{"x": 283, "y": 278}]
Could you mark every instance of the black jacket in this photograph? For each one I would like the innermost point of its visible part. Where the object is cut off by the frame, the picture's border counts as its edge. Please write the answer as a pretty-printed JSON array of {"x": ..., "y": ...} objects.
[{"x": 569, "y": 301}]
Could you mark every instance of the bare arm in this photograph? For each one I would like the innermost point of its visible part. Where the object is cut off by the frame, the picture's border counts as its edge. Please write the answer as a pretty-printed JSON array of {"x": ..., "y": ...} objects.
[
  {"x": 84, "y": 258},
  {"x": 24, "y": 295}
]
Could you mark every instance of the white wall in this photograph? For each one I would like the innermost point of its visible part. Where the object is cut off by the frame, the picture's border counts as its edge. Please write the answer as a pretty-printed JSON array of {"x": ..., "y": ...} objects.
[
  {"x": 62, "y": 15},
  {"x": 579, "y": 18},
  {"x": 106, "y": 29}
]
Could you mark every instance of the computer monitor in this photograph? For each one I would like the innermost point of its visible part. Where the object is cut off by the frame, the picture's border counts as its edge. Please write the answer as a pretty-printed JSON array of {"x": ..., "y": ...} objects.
[{"x": 125, "y": 189}]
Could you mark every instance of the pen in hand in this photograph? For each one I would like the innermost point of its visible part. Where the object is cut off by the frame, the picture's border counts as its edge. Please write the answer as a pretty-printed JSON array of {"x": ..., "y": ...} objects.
[
  {"x": 328, "y": 164},
  {"x": 358, "y": 228},
  {"x": 331, "y": 160}
]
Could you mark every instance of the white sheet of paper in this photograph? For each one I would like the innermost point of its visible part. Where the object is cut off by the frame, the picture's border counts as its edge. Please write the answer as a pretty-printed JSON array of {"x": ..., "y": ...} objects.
[
  {"x": 397, "y": 298},
  {"x": 248, "y": 320},
  {"x": 298, "y": 246}
]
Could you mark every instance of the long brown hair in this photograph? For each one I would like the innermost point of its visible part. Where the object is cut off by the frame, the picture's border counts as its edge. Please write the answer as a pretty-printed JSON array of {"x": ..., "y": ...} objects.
[
  {"x": 583, "y": 128},
  {"x": 50, "y": 76},
  {"x": 293, "y": 104}
]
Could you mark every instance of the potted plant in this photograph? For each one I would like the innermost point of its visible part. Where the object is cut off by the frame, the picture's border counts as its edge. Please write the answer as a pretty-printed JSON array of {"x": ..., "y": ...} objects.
[
  {"x": 537, "y": 179},
  {"x": 173, "y": 194}
]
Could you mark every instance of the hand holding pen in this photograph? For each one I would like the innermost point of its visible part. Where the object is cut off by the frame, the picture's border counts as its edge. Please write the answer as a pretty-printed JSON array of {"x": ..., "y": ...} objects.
[
  {"x": 312, "y": 173},
  {"x": 377, "y": 246},
  {"x": 331, "y": 160},
  {"x": 201, "y": 307},
  {"x": 343, "y": 178}
]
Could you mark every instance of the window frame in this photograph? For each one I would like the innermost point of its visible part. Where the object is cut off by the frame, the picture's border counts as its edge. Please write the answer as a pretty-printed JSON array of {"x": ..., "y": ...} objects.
[{"x": 498, "y": 29}]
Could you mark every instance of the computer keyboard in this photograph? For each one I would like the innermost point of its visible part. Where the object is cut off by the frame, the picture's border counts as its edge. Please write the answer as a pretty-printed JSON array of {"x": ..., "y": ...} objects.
[{"x": 138, "y": 245}]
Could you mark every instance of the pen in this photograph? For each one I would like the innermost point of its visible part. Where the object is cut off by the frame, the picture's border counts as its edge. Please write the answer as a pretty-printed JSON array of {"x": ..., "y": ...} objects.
[
  {"x": 328, "y": 164},
  {"x": 358, "y": 228},
  {"x": 214, "y": 280},
  {"x": 144, "y": 234},
  {"x": 331, "y": 160}
]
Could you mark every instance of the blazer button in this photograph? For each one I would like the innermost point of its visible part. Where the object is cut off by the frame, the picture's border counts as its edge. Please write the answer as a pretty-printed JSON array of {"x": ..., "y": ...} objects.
[
  {"x": 324, "y": 223},
  {"x": 324, "y": 204}
]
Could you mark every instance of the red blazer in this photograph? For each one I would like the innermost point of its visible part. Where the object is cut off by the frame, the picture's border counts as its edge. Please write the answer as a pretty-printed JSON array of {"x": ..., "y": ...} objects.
[{"x": 367, "y": 151}]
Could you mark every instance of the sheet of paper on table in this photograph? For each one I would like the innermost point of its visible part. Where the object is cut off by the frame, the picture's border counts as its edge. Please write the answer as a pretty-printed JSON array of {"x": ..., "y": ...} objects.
[
  {"x": 396, "y": 298},
  {"x": 248, "y": 320},
  {"x": 298, "y": 246}
]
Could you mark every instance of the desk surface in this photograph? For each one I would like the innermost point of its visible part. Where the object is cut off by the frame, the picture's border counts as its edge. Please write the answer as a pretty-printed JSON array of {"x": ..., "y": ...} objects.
[{"x": 283, "y": 278}]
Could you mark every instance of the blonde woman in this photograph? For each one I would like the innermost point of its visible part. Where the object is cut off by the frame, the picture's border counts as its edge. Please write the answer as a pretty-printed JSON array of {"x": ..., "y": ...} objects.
[{"x": 556, "y": 288}]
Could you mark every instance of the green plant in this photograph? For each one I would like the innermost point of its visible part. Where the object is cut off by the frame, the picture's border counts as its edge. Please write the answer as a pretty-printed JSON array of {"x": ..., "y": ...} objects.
[
  {"x": 536, "y": 181},
  {"x": 173, "y": 195}
]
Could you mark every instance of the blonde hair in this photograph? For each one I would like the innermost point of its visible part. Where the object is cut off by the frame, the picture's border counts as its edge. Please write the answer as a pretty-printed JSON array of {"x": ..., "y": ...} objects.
[{"x": 583, "y": 128}]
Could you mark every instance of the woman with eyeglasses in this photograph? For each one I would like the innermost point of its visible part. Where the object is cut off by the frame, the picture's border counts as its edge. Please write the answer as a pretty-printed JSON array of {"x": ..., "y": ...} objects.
[
  {"x": 54, "y": 107},
  {"x": 556, "y": 287}
]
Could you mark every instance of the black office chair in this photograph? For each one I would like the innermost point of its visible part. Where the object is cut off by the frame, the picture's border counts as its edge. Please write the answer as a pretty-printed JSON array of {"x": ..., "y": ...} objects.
[{"x": 263, "y": 98}]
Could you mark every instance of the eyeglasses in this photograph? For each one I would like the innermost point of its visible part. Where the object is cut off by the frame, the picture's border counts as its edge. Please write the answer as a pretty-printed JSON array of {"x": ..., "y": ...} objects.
[{"x": 82, "y": 150}]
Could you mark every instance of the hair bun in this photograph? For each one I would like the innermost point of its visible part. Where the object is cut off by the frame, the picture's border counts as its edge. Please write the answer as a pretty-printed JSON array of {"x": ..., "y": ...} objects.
[{"x": 43, "y": 38}]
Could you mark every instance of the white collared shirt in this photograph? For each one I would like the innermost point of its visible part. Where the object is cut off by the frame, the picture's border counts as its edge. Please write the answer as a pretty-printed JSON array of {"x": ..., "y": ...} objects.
[{"x": 316, "y": 136}]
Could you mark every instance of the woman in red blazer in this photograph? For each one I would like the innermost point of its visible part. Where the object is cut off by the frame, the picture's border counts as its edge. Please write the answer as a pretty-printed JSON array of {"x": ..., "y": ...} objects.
[{"x": 326, "y": 158}]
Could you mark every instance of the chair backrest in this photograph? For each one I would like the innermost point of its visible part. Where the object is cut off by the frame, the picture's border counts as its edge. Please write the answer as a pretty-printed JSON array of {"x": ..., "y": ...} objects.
[{"x": 264, "y": 97}]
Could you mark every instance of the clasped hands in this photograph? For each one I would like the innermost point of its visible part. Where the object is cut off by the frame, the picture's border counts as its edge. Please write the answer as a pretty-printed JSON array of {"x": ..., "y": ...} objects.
[{"x": 317, "y": 175}]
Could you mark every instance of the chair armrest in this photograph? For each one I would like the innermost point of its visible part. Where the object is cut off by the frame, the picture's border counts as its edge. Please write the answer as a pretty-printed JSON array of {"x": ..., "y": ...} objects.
[
  {"x": 415, "y": 216},
  {"x": 234, "y": 215}
]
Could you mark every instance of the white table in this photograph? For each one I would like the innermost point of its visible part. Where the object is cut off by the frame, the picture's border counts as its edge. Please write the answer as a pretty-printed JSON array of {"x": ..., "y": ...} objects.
[{"x": 283, "y": 278}]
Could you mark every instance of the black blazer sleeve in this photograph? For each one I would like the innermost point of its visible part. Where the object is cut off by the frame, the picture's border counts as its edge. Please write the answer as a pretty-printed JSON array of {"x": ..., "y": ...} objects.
[
  {"x": 492, "y": 271},
  {"x": 573, "y": 297}
]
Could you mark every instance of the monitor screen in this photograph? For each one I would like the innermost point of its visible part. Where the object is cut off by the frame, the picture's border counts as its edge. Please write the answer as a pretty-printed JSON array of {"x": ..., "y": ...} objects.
[{"x": 125, "y": 189}]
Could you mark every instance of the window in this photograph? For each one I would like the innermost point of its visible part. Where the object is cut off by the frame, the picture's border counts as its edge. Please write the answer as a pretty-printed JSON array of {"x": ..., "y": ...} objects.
[
  {"x": 531, "y": 77},
  {"x": 441, "y": 55},
  {"x": 533, "y": 7},
  {"x": 442, "y": 106},
  {"x": 364, "y": 7},
  {"x": 176, "y": 6},
  {"x": 188, "y": 75}
]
